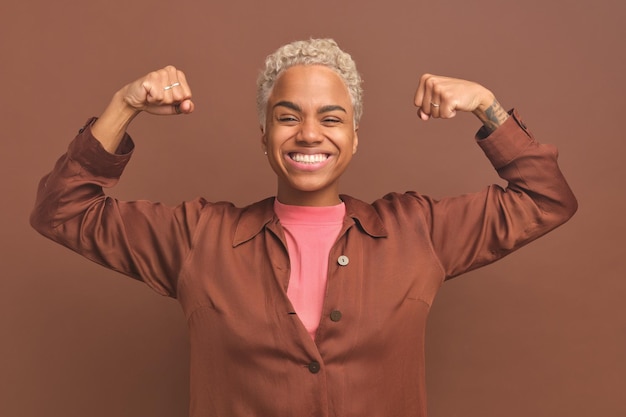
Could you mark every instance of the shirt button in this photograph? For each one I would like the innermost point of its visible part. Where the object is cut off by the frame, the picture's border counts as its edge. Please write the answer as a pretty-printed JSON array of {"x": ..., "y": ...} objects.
[
  {"x": 335, "y": 315},
  {"x": 343, "y": 260},
  {"x": 314, "y": 367}
]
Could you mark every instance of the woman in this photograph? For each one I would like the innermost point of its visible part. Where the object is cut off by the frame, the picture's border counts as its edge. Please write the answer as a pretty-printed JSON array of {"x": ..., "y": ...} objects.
[{"x": 309, "y": 303}]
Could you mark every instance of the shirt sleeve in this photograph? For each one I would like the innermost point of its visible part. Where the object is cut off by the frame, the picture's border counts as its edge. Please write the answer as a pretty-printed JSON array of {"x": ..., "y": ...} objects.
[
  {"x": 147, "y": 241},
  {"x": 473, "y": 230}
]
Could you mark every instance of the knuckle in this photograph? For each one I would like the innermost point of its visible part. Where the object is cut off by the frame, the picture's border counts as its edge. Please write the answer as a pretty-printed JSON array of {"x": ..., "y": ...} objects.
[
  {"x": 446, "y": 95},
  {"x": 154, "y": 75},
  {"x": 423, "y": 79},
  {"x": 431, "y": 82}
]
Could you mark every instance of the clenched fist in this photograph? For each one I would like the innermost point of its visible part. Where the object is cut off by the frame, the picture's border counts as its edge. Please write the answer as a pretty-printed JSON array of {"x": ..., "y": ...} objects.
[
  {"x": 163, "y": 92},
  {"x": 441, "y": 97}
]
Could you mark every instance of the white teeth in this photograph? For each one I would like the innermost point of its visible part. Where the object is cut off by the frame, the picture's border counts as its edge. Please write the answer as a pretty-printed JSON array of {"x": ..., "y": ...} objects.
[{"x": 309, "y": 159}]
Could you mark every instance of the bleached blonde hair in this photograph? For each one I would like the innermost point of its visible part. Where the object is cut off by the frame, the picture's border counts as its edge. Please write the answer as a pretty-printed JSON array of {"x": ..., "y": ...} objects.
[{"x": 309, "y": 52}]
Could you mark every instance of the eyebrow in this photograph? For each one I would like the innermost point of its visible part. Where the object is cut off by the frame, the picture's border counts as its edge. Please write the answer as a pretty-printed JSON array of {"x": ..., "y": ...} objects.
[
  {"x": 331, "y": 107},
  {"x": 293, "y": 106},
  {"x": 288, "y": 104}
]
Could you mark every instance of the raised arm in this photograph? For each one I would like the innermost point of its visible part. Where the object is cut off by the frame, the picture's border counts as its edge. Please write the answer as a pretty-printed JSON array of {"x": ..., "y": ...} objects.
[
  {"x": 475, "y": 229},
  {"x": 145, "y": 240}
]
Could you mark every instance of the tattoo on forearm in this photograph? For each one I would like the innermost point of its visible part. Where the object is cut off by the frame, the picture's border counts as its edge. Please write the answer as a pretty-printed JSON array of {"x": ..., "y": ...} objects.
[{"x": 494, "y": 116}]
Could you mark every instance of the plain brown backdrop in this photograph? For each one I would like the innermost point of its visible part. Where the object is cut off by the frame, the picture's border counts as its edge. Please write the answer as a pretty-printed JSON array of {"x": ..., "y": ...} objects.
[{"x": 541, "y": 333}]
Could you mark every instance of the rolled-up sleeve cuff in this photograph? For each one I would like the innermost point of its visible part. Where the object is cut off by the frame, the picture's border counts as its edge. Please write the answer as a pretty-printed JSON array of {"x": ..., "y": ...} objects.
[
  {"x": 505, "y": 143},
  {"x": 91, "y": 155}
]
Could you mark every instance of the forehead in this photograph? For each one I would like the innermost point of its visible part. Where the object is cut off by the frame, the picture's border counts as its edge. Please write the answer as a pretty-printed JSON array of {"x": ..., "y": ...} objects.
[{"x": 314, "y": 84}]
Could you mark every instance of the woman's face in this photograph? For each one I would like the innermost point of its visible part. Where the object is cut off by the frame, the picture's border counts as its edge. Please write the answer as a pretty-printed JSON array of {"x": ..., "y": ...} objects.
[{"x": 310, "y": 134}]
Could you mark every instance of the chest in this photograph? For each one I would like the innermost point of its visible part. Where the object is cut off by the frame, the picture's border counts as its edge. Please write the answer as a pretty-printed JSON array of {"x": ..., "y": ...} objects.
[{"x": 372, "y": 284}]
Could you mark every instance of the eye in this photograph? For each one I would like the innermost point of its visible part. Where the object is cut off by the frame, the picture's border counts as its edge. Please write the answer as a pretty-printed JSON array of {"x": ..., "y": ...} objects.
[
  {"x": 331, "y": 121},
  {"x": 288, "y": 119}
]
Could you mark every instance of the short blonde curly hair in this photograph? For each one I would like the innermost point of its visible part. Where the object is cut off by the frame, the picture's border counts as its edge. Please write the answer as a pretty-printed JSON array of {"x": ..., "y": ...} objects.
[{"x": 309, "y": 52}]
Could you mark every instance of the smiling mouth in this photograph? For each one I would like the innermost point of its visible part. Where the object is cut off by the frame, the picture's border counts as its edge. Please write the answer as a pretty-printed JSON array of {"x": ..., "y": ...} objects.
[{"x": 308, "y": 159}]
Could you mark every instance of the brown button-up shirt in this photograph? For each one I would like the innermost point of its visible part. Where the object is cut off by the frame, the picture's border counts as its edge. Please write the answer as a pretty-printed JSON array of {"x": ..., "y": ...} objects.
[{"x": 229, "y": 268}]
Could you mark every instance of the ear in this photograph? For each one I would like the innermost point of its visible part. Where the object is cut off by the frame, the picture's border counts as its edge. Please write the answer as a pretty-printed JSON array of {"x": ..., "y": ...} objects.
[
  {"x": 355, "y": 143},
  {"x": 263, "y": 138}
]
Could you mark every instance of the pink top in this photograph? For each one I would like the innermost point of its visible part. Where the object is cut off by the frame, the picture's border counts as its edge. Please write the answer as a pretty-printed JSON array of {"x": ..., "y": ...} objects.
[{"x": 310, "y": 233}]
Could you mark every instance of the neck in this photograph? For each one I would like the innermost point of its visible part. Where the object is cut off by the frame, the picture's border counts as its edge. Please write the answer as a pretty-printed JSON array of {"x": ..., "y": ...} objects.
[{"x": 308, "y": 198}]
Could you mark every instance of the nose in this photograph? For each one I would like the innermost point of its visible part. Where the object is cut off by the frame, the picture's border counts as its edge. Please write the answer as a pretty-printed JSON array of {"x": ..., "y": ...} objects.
[{"x": 309, "y": 133}]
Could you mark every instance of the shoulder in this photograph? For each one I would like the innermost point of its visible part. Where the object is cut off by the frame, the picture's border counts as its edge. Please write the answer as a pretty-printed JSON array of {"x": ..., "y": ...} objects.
[{"x": 392, "y": 210}]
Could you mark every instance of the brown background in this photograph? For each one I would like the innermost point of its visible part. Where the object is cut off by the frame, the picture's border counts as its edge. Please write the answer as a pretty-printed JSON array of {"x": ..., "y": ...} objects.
[{"x": 541, "y": 333}]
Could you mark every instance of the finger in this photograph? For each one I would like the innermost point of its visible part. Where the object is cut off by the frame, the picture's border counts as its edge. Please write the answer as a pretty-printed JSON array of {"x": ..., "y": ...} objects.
[
  {"x": 184, "y": 89},
  {"x": 178, "y": 90},
  {"x": 163, "y": 84},
  {"x": 447, "y": 113},
  {"x": 153, "y": 88},
  {"x": 421, "y": 101},
  {"x": 448, "y": 100},
  {"x": 435, "y": 105},
  {"x": 156, "y": 84},
  {"x": 181, "y": 93},
  {"x": 422, "y": 114},
  {"x": 427, "y": 99},
  {"x": 447, "y": 110},
  {"x": 419, "y": 93},
  {"x": 171, "y": 84},
  {"x": 184, "y": 107},
  {"x": 168, "y": 91}
]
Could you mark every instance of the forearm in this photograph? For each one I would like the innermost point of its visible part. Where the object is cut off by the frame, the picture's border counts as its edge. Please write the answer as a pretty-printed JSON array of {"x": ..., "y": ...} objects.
[
  {"x": 111, "y": 126},
  {"x": 493, "y": 115}
]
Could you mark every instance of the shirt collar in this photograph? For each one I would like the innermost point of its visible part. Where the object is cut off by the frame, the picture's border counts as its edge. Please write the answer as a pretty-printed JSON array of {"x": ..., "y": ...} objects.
[{"x": 257, "y": 216}]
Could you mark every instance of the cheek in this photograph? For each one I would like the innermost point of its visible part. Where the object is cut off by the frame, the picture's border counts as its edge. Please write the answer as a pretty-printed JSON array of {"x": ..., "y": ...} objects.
[
  {"x": 275, "y": 159},
  {"x": 273, "y": 165},
  {"x": 276, "y": 137}
]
